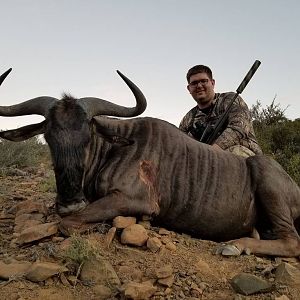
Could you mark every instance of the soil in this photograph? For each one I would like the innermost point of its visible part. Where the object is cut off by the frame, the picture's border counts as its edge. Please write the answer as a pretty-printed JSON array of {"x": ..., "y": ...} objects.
[{"x": 198, "y": 273}]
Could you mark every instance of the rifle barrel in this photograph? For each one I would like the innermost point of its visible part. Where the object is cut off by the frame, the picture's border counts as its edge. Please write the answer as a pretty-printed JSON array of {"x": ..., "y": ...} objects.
[{"x": 239, "y": 90}]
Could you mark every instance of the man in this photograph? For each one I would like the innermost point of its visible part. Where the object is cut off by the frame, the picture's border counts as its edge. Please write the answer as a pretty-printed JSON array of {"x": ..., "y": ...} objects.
[{"x": 238, "y": 135}]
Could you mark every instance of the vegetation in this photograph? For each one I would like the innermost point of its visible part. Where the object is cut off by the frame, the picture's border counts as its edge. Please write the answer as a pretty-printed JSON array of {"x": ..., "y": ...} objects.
[
  {"x": 29, "y": 153},
  {"x": 278, "y": 136},
  {"x": 80, "y": 250}
]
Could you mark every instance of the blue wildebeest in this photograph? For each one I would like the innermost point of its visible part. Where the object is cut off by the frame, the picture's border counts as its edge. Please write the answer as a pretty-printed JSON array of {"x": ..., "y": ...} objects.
[{"x": 105, "y": 167}]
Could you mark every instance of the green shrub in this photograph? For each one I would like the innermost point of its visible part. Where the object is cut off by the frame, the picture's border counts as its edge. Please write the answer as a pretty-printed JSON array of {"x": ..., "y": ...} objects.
[
  {"x": 80, "y": 250},
  {"x": 29, "y": 153},
  {"x": 278, "y": 137}
]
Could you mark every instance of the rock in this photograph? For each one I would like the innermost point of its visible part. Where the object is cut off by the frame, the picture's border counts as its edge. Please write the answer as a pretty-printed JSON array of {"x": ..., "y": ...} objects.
[
  {"x": 19, "y": 220},
  {"x": 123, "y": 222},
  {"x": 64, "y": 280},
  {"x": 287, "y": 274},
  {"x": 138, "y": 291},
  {"x": 163, "y": 231},
  {"x": 72, "y": 280},
  {"x": 38, "y": 232},
  {"x": 40, "y": 271},
  {"x": 248, "y": 284},
  {"x": 168, "y": 281},
  {"x": 102, "y": 292},
  {"x": 99, "y": 271},
  {"x": 170, "y": 246},
  {"x": 134, "y": 235},
  {"x": 164, "y": 272},
  {"x": 145, "y": 224},
  {"x": 282, "y": 297},
  {"x": 110, "y": 236},
  {"x": 203, "y": 270},
  {"x": 127, "y": 273},
  {"x": 26, "y": 224},
  {"x": 153, "y": 244},
  {"x": 14, "y": 269},
  {"x": 30, "y": 206}
]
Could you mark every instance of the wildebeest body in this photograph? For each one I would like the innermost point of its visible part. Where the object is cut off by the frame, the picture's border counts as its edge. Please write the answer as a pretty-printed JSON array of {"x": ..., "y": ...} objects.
[{"x": 198, "y": 190}]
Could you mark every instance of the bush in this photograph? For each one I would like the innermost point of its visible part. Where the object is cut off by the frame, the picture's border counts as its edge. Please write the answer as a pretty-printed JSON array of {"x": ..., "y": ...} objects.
[
  {"x": 278, "y": 136},
  {"x": 29, "y": 153}
]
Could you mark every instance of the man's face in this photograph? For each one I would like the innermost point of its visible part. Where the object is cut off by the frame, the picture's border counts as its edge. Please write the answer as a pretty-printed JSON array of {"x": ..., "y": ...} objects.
[{"x": 201, "y": 87}]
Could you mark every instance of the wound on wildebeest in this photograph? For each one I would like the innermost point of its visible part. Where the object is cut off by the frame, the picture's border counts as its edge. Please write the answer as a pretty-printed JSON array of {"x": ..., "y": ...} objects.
[{"x": 148, "y": 174}]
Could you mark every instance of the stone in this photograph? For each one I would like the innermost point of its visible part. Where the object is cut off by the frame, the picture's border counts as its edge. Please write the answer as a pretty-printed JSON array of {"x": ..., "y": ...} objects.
[
  {"x": 167, "y": 282},
  {"x": 40, "y": 271},
  {"x": 37, "y": 232},
  {"x": 287, "y": 274},
  {"x": 135, "y": 235},
  {"x": 145, "y": 224},
  {"x": 138, "y": 291},
  {"x": 121, "y": 222},
  {"x": 25, "y": 217},
  {"x": 170, "y": 246},
  {"x": 163, "y": 231},
  {"x": 282, "y": 297},
  {"x": 164, "y": 271},
  {"x": 128, "y": 273},
  {"x": 64, "y": 280},
  {"x": 99, "y": 271},
  {"x": 28, "y": 223},
  {"x": 30, "y": 206},
  {"x": 14, "y": 269},
  {"x": 102, "y": 292},
  {"x": 153, "y": 244},
  {"x": 110, "y": 236},
  {"x": 248, "y": 284},
  {"x": 203, "y": 270}
]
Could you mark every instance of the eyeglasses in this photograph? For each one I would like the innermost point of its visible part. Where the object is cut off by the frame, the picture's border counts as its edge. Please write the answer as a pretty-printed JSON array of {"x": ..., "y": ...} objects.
[{"x": 196, "y": 82}]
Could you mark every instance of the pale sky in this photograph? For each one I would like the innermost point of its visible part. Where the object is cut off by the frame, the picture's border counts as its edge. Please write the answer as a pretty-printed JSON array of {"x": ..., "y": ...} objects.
[{"x": 76, "y": 46}]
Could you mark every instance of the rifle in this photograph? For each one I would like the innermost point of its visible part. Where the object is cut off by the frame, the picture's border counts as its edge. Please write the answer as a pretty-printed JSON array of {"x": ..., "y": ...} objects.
[{"x": 211, "y": 132}]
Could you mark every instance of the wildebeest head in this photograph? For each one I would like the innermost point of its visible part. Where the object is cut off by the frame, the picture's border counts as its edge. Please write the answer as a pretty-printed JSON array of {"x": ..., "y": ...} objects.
[{"x": 67, "y": 131}]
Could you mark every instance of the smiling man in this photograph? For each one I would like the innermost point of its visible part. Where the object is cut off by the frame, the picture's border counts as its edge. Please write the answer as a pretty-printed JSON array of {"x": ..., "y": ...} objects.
[{"x": 237, "y": 135}]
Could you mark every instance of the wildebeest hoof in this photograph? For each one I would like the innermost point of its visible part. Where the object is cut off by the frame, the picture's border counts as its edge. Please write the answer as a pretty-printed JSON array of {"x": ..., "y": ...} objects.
[
  {"x": 228, "y": 250},
  {"x": 70, "y": 209}
]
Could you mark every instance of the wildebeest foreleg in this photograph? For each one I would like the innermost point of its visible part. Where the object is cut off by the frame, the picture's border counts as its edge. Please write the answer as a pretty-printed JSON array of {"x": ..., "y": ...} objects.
[{"x": 106, "y": 208}]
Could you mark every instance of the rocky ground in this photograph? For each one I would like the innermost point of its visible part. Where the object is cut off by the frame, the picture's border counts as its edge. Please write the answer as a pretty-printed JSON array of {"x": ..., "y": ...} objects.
[{"x": 125, "y": 259}]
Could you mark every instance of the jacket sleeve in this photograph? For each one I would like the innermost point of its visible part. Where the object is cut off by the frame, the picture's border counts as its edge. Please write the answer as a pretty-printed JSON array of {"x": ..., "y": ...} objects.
[
  {"x": 186, "y": 122},
  {"x": 239, "y": 123}
]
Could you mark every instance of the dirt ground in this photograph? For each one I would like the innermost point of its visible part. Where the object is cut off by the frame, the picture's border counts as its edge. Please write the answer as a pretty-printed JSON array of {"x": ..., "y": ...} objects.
[{"x": 197, "y": 272}]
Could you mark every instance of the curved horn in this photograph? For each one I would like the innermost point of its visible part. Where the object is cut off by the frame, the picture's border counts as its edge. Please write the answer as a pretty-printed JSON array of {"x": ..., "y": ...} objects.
[
  {"x": 35, "y": 106},
  {"x": 4, "y": 75},
  {"x": 97, "y": 106}
]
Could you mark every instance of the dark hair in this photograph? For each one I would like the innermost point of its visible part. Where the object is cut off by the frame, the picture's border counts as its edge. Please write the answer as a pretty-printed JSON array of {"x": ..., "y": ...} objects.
[{"x": 199, "y": 69}]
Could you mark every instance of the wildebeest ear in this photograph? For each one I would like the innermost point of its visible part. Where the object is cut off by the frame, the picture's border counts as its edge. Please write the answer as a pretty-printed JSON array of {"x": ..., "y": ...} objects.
[
  {"x": 23, "y": 133},
  {"x": 110, "y": 135}
]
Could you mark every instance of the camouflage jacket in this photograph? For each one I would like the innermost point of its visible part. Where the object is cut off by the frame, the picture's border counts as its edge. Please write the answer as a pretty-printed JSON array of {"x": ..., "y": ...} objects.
[{"x": 239, "y": 129}]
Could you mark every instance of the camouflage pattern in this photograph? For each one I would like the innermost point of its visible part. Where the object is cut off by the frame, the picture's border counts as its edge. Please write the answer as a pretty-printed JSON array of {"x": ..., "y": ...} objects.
[{"x": 238, "y": 137}]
